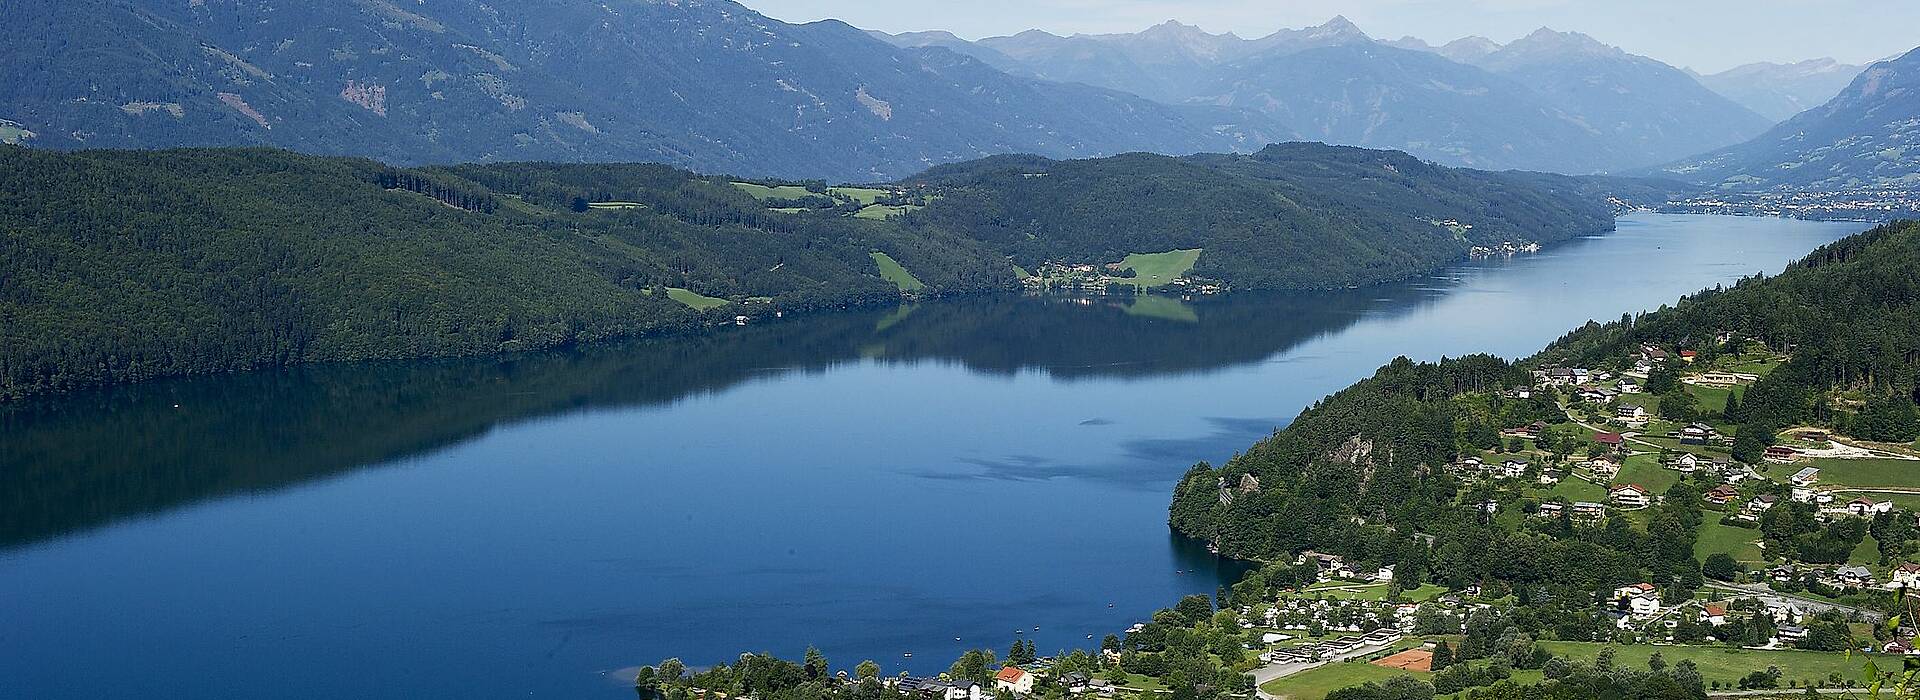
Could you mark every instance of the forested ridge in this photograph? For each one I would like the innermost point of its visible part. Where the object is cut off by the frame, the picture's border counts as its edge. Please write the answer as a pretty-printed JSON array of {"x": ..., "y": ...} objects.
[
  {"x": 1293, "y": 216},
  {"x": 127, "y": 265},
  {"x": 1361, "y": 470},
  {"x": 1848, "y": 314}
]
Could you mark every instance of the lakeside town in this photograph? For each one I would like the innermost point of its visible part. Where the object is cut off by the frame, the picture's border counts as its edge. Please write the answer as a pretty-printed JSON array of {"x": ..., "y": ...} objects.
[{"x": 1654, "y": 430}]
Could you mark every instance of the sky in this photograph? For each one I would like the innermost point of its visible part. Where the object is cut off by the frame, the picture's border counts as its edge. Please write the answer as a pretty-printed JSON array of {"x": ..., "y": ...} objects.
[{"x": 1706, "y": 35}]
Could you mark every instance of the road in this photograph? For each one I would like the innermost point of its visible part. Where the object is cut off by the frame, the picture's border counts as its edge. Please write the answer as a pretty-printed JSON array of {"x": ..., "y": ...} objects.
[{"x": 1777, "y": 598}]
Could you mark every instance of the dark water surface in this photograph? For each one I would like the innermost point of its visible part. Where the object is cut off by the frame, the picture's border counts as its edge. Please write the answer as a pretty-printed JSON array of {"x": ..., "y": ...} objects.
[{"x": 875, "y": 484}]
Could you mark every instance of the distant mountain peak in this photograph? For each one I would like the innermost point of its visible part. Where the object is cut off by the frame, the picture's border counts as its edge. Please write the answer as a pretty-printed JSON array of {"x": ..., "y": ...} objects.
[
  {"x": 1549, "y": 38},
  {"x": 1468, "y": 49},
  {"x": 1339, "y": 26}
]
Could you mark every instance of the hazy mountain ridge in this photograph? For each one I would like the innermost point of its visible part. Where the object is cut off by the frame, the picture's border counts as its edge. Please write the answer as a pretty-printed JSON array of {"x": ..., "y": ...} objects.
[
  {"x": 1549, "y": 101},
  {"x": 1781, "y": 90},
  {"x": 707, "y": 84},
  {"x": 1867, "y": 136}
]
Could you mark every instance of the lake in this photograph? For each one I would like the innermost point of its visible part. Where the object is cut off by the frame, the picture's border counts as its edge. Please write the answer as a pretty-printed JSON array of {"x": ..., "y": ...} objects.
[{"x": 909, "y": 481}]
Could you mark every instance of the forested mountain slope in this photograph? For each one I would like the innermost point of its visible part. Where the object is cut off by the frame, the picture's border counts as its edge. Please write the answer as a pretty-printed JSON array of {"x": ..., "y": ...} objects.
[
  {"x": 1849, "y": 314},
  {"x": 1867, "y": 136},
  {"x": 1293, "y": 216},
  {"x": 125, "y": 265},
  {"x": 1362, "y": 470},
  {"x": 128, "y": 265}
]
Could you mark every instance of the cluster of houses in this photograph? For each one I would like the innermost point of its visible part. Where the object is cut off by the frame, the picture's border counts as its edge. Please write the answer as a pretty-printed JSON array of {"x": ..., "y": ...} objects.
[
  {"x": 1012, "y": 679},
  {"x": 1803, "y": 491},
  {"x": 1333, "y": 567},
  {"x": 1904, "y": 576}
]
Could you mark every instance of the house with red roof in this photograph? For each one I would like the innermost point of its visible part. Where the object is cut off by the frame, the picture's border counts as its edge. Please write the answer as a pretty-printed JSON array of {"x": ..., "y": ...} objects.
[
  {"x": 1629, "y": 496},
  {"x": 1014, "y": 680},
  {"x": 1613, "y": 441}
]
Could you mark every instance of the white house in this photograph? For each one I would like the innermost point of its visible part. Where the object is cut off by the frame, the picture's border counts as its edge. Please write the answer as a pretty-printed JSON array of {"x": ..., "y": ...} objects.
[
  {"x": 1907, "y": 575},
  {"x": 1685, "y": 462},
  {"x": 1014, "y": 680},
  {"x": 1762, "y": 502},
  {"x": 1713, "y": 614},
  {"x": 1806, "y": 477},
  {"x": 1640, "y": 599},
  {"x": 1629, "y": 496},
  {"x": 1866, "y": 507}
]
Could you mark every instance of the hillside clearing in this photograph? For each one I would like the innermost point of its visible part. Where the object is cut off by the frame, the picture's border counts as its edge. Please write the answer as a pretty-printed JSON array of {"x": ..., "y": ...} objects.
[
  {"x": 893, "y": 272},
  {"x": 698, "y": 301}
]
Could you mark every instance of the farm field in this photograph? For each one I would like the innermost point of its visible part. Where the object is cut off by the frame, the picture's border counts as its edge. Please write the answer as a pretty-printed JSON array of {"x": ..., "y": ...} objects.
[
  {"x": 1316, "y": 683},
  {"x": 698, "y": 301},
  {"x": 1157, "y": 269},
  {"x": 893, "y": 272},
  {"x": 774, "y": 192},
  {"x": 883, "y": 211},
  {"x": 1727, "y": 665},
  {"x": 1865, "y": 473}
]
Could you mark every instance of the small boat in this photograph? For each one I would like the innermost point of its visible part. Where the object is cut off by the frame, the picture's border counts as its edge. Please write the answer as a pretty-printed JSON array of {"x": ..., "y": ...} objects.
[
  {"x": 956, "y": 639},
  {"x": 1089, "y": 636},
  {"x": 1109, "y": 605},
  {"x": 1019, "y": 632},
  {"x": 908, "y": 654},
  {"x": 1036, "y": 628}
]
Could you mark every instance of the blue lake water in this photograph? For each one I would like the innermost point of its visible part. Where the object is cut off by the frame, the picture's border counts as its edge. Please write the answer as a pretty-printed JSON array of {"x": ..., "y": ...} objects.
[{"x": 873, "y": 483}]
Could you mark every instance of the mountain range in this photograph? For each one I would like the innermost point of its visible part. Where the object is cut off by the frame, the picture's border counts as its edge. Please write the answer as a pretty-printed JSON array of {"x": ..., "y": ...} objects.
[
  {"x": 1548, "y": 101},
  {"x": 1778, "y": 91},
  {"x": 713, "y": 86},
  {"x": 1867, "y": 137},
  {"x": 706, "y": 84}
]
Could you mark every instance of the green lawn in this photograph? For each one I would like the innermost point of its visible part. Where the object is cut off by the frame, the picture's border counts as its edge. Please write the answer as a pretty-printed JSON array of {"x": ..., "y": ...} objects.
[
  {"x": 1736, "y": 542},
  {"x": 1867, "y": 553},
  {"x": 698, "y": 301},
  {"x": 1865, "y": 472},
  {"x": 1645, "y": 470},
  {"x": 1316, "y": 683},
  {"x": 1578, "y": 490},
  {"x": 1728, "y": 665},
  {"x": 1713, "y": 399},
  {"x": 1156, "y": 269},
  {"x": 1150, "y": 306},
  {"x": 776, "y": 192},
  {"x": 899, "y": 276},
  {"x": 863, "y": 195},
  {"x": 883, "y": 211},
  {"x": 1021, "y": 272}
]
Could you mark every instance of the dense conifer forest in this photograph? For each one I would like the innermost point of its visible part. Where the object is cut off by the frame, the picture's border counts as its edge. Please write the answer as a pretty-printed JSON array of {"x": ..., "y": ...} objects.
[{"x": 125, "y": 265}]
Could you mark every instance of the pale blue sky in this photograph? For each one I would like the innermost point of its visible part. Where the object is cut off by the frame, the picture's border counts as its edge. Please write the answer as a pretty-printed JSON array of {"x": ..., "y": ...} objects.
[{"x": 1707, "y": 35}]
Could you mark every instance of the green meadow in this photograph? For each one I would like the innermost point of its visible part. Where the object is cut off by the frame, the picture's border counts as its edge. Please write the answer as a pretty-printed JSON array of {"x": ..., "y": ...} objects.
[
  {"x": 698, "y": 301},
  {"x": 893, "y": 272}
]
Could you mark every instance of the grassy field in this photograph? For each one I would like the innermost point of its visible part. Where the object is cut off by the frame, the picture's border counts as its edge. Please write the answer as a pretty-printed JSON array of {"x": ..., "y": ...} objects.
[
  {"x": 1577, "y": 490},
  {"x": 779, "y": 192},
  {"x": 899, "y": 276},
  {"x": 1713, "y": 399},
  {"x": 1645, "y": 470},
  {"x": 694, "y": 299},
  {"x": 863, "y": 195},
  {"x": 1867, "y": 553},
  {"x": 1736, "y": 542},
  {"x": 1156, "y": 269},
  {"x": 883, "y": 211},
  {"x": 1728, "y": 665},
  {"x": 1316, "y": 683},
  {"x": 1865, "y": 472}
]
